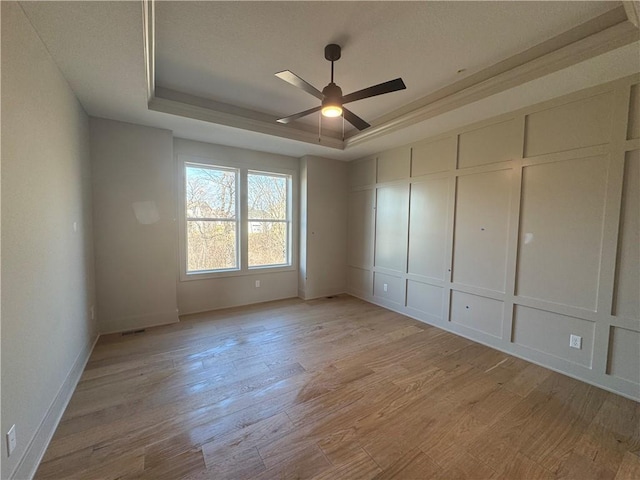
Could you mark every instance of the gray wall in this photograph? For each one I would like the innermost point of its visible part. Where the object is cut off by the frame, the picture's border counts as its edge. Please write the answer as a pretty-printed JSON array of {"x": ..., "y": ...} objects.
[
  {"x": 323, "y": 227},
  {"x": 47, "y": 259},
  {"x": 134, "y": 225},
  {"x": 516, "y": 232},
  {"x": 231, "y": 289}
]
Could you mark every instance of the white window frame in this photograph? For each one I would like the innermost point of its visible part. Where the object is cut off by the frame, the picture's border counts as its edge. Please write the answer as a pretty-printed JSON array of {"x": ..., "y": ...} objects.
[
  {"x": 236, "y": 220},
  {"x": 287, "y": 220},
  {"x": 243, "y": 224}
]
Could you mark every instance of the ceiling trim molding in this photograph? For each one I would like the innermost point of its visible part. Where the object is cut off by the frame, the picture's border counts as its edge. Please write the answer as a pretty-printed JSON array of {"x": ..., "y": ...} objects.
[
  {"x": 189, "y": 106},
  {"x": 595, "y": 25},
  {"x": 182, "y": 109},
  {"x": 614, "y": 37},
  {"x": 149, "y": 33},
  {"x": 632, "y": 8},
  {"x": 604, "y": 33}
]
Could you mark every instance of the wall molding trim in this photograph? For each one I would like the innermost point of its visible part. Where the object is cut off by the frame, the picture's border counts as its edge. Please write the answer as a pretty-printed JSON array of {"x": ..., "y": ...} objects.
[
  {"x": 37, "y": 447},
  {"x": 510, "y": 306}
]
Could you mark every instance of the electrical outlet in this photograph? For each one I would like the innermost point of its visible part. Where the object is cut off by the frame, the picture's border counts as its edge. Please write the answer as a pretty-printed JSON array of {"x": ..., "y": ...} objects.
[
  {"x": 575, "y": 341},
  {"x": 11, "y": 440},
  {"x": 384, "y": 287},
  {"x": 257, "y": 283}
]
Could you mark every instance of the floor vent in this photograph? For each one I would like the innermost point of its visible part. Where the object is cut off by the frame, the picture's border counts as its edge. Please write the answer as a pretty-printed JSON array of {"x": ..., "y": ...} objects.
[{"x": 133, "y": 332}]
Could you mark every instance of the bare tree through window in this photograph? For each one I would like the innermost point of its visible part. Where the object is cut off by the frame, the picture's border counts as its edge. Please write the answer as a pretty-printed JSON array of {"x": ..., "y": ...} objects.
[
  {"x": 212, "y": 226},
  {"x": 268, "y": 219}
]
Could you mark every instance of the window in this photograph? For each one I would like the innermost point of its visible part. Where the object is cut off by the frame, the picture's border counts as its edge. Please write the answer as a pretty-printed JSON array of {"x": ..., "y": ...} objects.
[
  {"x": 268, "y": 216},
  {"x": 236, "y": 219},
  {"x": 212, "y": 218}
]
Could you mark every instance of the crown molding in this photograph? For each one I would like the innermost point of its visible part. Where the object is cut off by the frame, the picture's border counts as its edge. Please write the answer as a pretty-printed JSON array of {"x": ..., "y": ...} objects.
[
  {"x": 182, "y": 109},
  {"x": 611, "y": 30},
  {"x": 632, "y": 9},
  {"x": 614, "y": 37},
  {"x": 149, "y": 32}
]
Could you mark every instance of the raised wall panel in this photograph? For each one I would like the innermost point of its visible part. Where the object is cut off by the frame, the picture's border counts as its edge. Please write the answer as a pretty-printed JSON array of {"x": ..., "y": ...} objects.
[
  {"x": 633, "y": 126},
  {"x": 478, "y": 313},
  {"x": 394, "y": 164},
  {"x": 362, "y": 172},
  {"x": 627, "y": 292},
  {"x": 394, "y": 287},
  {"x": 428, "y": 228},
  {"x": 561, "y": 221},
  {"x": 481, "y": 229},
  {"x": 582, "y": 123},
  {"x": 360, "y": 280},
  {"x": 424, "y": 297},
  {"x": 624, "y": 354},
  {"x": 550, "y": 332},
  {"x": 433, "y": 156},
  {"x": 392, "y": 205},
  {"x": 360, "y": 228},
  {"x": 494, "y": 143}
]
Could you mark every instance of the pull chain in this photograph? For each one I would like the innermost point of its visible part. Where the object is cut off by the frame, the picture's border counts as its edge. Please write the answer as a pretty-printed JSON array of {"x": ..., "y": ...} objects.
[{"x": 320, "y": 128}]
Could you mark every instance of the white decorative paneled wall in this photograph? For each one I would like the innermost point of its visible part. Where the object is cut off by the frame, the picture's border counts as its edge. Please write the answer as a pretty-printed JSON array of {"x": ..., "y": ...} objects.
[{"x": 516, "y": 232}]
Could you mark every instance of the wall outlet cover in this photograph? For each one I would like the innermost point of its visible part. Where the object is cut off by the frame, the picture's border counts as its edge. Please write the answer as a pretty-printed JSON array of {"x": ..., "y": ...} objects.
[
  {"x": 11, "y": 440},
  {"x": 575, "y": 341}
]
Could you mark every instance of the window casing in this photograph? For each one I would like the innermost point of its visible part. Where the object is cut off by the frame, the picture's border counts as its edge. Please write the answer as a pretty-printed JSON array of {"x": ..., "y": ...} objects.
[
  {"x": 211, "y": 211},
  {"x": 236, "y": 220},
  {"x": 268, "y": 220}
]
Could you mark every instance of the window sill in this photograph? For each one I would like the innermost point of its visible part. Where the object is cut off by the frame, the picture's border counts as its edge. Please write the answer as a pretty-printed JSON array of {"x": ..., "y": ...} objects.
[{"x": 236, "y": 273}]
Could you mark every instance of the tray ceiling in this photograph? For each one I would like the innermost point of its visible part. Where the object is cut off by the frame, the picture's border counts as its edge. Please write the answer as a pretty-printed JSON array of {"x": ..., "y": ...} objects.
[
  {"x": 229, "y": 51},
  {"x": 215, "y": 63}
]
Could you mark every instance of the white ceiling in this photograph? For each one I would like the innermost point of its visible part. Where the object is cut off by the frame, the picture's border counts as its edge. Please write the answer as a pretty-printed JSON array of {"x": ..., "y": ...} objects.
[{"x": 229, "y": 51}]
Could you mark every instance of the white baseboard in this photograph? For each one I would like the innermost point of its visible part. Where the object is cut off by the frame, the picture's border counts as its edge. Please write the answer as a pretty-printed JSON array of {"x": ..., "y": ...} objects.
[
  {"x": 138, "y": 322},
  {"x": 28, "y": 464},
  {"x": 327, "y": 292}
]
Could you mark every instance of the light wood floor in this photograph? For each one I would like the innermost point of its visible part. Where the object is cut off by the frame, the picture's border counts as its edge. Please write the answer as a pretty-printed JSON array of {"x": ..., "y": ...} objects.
[{"x": 331, "y": 389}]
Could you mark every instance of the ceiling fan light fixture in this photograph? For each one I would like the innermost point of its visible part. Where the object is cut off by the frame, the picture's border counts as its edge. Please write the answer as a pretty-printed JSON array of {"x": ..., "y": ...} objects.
[
  {"x": 332, "y": 100},
  {"x": 331, "y": 110}
]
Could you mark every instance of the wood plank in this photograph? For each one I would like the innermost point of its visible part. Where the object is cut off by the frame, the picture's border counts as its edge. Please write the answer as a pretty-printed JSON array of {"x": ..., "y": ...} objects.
[
  {"x": 359, "y": 467},
  {"x": 629, "y": 468},
  {"x": 414, "y": 464},
  {"x": 304, "y": 463}
]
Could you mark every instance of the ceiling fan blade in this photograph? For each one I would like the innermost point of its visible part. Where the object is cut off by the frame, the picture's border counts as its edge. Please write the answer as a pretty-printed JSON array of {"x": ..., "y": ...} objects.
[
  {"x": 354, "y": 120},
  {"x": 296, "y": 116},
  {"x": 381, "y": 88},
  {"x": 296, "y": 81}
]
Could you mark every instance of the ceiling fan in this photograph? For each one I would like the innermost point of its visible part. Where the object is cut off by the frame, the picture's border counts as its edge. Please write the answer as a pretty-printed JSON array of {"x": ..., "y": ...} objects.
[{"x": 331, "y": 96}]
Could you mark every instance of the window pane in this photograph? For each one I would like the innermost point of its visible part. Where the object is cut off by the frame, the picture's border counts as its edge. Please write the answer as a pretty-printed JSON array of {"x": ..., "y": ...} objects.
[
  {"x": 267, "y": 196},
  {"x": 211, "y": 245},
  {"x": 267, "y": 243},
  {"x": 210, "y": 192}
]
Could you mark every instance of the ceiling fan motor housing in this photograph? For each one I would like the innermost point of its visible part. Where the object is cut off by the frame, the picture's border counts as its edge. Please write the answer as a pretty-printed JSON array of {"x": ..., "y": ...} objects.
[{"x": 333, "y": 93}]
